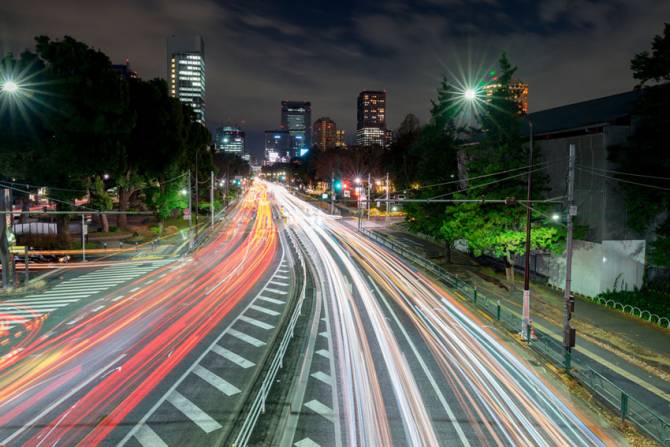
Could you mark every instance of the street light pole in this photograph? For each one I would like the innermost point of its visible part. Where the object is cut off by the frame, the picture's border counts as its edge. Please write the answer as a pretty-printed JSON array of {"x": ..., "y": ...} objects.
[
  {"x": 369, "y": 196},
  {"x": 525, "y": 317},
  {"x": 190, "y": 205},
  {"x": 211, "y": 195},
  {"x": 569, "y": 332},
  {"x": 332, "y": 193},
  {"x": 387, "y": 199}
]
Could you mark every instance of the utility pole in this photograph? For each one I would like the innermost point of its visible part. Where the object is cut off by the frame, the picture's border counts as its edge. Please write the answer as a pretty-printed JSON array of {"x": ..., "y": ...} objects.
[
  {"x": 525, "y": 317},
  {"x": 5, "y": 256},
  {"x": 211, "y": 195},
  {"x": 569, "y": 332},
  {"x": 83, "y": 237},
  {"x": 387, "y": 198},
  {"x": 369, "y": 196},
  {"x": 190, "y": 205},
  {"x": 332, "y": 193},
  {"x": 197, "y": 199}
]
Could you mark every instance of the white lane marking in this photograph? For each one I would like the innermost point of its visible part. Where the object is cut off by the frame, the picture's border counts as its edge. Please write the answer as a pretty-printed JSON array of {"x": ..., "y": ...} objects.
[
  {"x": 264, "y": 310},
  {"x": 306, "y": 442},
  {"x": 323, "y": 353},
  {"x": 38, "y": 301},
  {"x": 15, "y": 321},
  {"x": 280, "y": 292},
  {"x": 324, "y": 334},
  {"x": 135, "y": 289},
  {"x": 256, "y": 322},
  {"x": 59, "y": 294},
  {"x": 270, "y": 300},
  {"x": 323, "y": 377},
  {"x": 279, "y": 283},
  {"x": 26, "y": 312},
  {"x": 281, "y": 276},
  {"x": 193, "y": 412},
  {"x": 151, "y": 281},
  {"x": 246, "y": 338},
  {"x": 41, "y": 306},
  {"x": 149, "y": 438},
  {"x": 321, "y": 409},
  {"x": 216, "y": 381},
  {"x": 118, "y": 298},
  {"x": 230, "y": 355},
  {"x": 98, "y": 308},
  {"x": 49, "y": 409}
]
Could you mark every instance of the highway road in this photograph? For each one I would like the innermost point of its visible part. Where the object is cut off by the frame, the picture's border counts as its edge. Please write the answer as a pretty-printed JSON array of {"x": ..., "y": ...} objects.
[
  {"x": 397, "y": 361},
  {"x": 127, "y": 349}
]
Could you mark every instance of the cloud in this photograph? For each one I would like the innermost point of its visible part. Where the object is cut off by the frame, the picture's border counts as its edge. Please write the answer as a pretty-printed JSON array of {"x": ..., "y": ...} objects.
[{"x": 259, "y": 53}]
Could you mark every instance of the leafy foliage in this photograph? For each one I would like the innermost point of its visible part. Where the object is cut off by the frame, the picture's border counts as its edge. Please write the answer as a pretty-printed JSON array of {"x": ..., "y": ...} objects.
[{"x": 646, "y": 152}]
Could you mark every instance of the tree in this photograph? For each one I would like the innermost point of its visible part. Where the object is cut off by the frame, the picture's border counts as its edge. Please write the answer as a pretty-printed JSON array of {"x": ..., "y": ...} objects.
[
  {"x": 400, "y": 159},
  {"x": 100, "y": 200},
  {"x": 645, "y": 155},
  {"x": 496, "y": 170},
  {"x": 435, "y": 155}
]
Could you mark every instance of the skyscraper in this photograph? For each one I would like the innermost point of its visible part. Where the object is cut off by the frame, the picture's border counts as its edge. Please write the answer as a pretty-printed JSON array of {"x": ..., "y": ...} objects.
[
  {"x": 339, "y": 139},
  {"x": 186, "y": 72},
  {"x": 277, "y": 146},
  {"x": 296, "y": 118},
  {"x": 371, "y": 122},
  {"x": 325, "y": 133},
  {"x": 230, "y": 139},
  {"x": 518, "y": 90}
]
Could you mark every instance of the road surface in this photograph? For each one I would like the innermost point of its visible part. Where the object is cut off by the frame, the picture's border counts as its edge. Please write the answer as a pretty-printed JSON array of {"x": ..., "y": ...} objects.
[{"x": 397, "y": 361}]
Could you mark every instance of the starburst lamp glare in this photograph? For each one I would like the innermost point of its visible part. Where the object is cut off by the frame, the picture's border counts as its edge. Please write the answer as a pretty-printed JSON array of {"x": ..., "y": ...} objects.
[
  {"x": 470, "y": 94},
  {"x": 9, "y": 87}
]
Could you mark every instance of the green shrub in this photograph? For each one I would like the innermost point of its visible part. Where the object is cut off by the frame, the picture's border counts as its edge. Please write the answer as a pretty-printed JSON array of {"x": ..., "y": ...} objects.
[{"x": 655, "y": 299}]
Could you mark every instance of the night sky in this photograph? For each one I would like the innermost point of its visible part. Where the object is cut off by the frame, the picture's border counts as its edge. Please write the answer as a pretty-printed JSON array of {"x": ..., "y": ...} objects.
[{"x": 259, "y": 52}]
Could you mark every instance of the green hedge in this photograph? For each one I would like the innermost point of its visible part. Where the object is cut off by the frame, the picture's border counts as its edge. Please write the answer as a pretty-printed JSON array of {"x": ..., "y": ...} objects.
[{"x": 654, "y": 299}]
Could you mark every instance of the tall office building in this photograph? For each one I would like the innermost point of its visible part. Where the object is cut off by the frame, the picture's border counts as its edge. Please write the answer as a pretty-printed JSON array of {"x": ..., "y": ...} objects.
[
  {"x": 371, "y": 122},
  {"x": 296, "y": 118},
  {"x": 186, "y": 72},
  {"x": 339, "y": 139},
  {"x": 124, "y": 70},
  {"x": 230, "y": 139},
  {"x": 324, "y": 133},
  {"x": 518, "y": 89},
  {"x": 277, "y": 146}
]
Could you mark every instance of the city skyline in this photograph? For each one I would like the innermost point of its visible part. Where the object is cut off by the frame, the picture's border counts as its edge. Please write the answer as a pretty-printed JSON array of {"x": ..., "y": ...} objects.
[{"x": 364, "y": 42}]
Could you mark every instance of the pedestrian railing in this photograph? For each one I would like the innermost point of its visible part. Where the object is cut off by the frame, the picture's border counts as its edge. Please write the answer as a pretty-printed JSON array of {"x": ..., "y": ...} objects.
[
  {"x": 258, "y": 405},
  {"x": 630, "y": 409}
]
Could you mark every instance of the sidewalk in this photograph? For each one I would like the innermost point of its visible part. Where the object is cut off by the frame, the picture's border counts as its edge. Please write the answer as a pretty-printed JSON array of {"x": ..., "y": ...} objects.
[{"x": 633, "y": 354}]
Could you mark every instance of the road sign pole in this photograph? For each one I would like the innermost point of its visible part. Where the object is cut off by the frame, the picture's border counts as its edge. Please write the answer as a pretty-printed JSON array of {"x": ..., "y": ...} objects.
[
  {"x": 525, "y": 317},
  {"x": 83, "y": 238},
  {"x": 211, "y": 195},
  {"x": 26, "y": 263},
  {"x": 387, "y": 198},
  {"x": 332, "y": 193},
  {"x": 369, "y": 196}
]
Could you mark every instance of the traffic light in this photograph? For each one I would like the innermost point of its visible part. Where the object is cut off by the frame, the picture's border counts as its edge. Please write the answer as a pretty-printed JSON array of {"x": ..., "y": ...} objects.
[{"x": 338, "y": 185}]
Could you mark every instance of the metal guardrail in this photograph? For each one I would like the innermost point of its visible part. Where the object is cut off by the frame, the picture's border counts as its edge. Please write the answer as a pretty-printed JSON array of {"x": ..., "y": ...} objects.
[
  {"x": 630, "y": 409},
  {"x": 258, "y": 406}
]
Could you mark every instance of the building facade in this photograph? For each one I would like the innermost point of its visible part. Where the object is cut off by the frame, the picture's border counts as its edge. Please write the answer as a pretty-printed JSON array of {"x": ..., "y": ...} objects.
[
  {"x": 340, "y": 141},
  {"x": 518, "y": 89},
  {"x": 186, "y": 72},
  {"x": 296, "y": 118},
  {"x": 124, "y": 70},
  {"x": 231, "y": 140},
  {"x": 371, "y": 119},
  {"x": 324, "y": 133},
  {"x": 277, "y": 146}
]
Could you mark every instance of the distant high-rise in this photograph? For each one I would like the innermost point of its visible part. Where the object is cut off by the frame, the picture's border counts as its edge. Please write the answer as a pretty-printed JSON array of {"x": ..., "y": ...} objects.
[
  {"x": 296, "y": 118},
  {"x": 186, "y": 72},
  {"x": 325, "y": 133},
  {"x": 277, "y": 146},
  {"x": 371, "y": 122},
  {"x": 339, "y": 139},
  {"x": 125, "y": 71},
  {"x": 518, "y": 89},
  {"x": 230, "y": 139}
]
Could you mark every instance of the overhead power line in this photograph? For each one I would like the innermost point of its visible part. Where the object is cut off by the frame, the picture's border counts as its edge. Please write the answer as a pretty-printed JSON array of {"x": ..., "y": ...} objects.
[
  {"x": 630, "y": 174},
  {"x": 609, "y": 177}
]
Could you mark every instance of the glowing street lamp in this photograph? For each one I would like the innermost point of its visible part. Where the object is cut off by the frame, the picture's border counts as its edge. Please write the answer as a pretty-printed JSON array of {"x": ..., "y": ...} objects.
[
  {"x": 470, "y": 94},
  {"x": 10, "y": 87},
  {"x": 555, "y": 217}
]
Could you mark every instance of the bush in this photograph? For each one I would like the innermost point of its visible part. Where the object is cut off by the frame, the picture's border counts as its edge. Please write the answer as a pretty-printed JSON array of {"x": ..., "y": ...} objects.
[
  {"x": 156, "y": 230},
  {"x": 655, "y": 299}
]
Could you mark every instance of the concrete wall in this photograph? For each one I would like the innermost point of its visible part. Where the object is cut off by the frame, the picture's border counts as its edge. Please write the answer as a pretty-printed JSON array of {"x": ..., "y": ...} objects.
[
  {"x": 598, "y": 267},
  {"x": 599, "y": 200}
]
